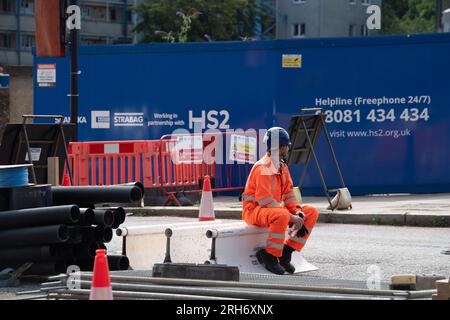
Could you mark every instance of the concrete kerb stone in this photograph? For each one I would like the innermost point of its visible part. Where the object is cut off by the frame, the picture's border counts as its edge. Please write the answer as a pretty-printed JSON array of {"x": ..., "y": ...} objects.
[
  {"x": 189, "y": 212},
  {"x": 361, "y": 218},
  {"x": 428, "y": 220},
  {"x": 325, "y": 216}
]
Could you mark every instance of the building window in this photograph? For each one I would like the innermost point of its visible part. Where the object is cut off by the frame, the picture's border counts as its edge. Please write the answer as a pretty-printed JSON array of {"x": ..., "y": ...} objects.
[
  {"x": 95, "y": 13},
  {"x": 364, "y": 30},
  {"x": 298, "y": 1},
  {"x": 365, "y": 2},
  {"x": 27, "y": 41},
  {"x": 112, "y": 14},
  {"x": 298, "y": 30},
  {"x": 27, "y": 7},
  {"x": 85, "y": 12},
  {"x": 352, "y": 30},
  {"x": 352, "y": 1},
  {"x": 6, "y": 40},
  {"x": 6, "y": 6},
  {"x": 94, "y": 41},
  {"x": 101, "y": 13}
]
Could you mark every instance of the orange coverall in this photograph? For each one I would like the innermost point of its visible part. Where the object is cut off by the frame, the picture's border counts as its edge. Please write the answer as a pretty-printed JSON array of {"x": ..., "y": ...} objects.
[{"x": 264, "y": 192}]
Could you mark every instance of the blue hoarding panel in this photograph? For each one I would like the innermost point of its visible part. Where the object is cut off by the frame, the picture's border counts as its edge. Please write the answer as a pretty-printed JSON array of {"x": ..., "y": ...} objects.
[{"x": 386, "y": 99}]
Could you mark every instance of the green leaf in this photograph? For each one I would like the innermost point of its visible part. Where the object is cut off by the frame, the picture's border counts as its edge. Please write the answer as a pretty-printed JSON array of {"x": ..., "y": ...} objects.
[{"x": 219, "y": 19}]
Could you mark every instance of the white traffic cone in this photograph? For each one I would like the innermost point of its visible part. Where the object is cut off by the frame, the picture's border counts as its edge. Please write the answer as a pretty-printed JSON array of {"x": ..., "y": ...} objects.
[{"x": 206, "y": 203}]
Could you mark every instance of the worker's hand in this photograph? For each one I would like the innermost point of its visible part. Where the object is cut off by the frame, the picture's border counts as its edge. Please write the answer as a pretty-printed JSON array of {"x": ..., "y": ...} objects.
[
  {"x": 300, "y": 213},
  {"x": 302, "y": 232},
  {"x": 297, "y": 221}
]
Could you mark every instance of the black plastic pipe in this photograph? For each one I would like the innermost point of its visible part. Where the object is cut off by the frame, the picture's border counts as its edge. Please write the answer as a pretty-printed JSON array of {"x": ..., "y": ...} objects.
[
  {"x": 30, "y": 254},
  {"x": 96, "y": 234},
  {"x": 33, "y": 236},
  {"x": 34, "y": 217},
  {"x": 118, "y": 262},
  {"x": 116, "y": 223},
  {"x": 115, "y": 263},
  {"x": 63, "y": 251},
  {"x": 39, "y": 268},
  {"x": 85, "y": 264},
  {"x": 136, "y": 184},
  {"x": 96, "y": 194},
  {"x": 103, "y": 218},
  {"x": 85, "y": 250},
  {"x": 88, "y": 234},
  {"x": 75, "y": 235},
  {"x": 103, "y": 234},
  {"x": 122, "y": 214},
  {"x": 47, "y": 268},
  {"x": 101, "y": 245},
  {"x": 87, "y": 217},
  {"x": 119, "y": 216}
]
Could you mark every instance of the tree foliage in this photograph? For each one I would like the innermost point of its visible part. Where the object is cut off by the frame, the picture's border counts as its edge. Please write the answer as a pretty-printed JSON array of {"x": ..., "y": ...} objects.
[
  {"x": 198, "y": 20},
  {"x": 408, "y": 16}
]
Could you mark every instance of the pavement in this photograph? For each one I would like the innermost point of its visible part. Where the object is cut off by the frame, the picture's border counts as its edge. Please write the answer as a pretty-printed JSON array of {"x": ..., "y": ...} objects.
[{"x": 425, "y": 210}]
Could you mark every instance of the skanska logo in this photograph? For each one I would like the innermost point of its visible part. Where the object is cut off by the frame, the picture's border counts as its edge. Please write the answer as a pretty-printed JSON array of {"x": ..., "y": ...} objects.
[
  {"x": 129, "y": 119},
  {"x": 100, "y": 119}
]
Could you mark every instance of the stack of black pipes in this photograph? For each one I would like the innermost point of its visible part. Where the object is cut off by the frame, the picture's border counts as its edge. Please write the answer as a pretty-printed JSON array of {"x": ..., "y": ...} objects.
[{"x": 68, "y": 233}]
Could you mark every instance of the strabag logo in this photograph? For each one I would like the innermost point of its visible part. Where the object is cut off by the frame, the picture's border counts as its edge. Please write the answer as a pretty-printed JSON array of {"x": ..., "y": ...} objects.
[
  {"x": 129, "y": 119},
  {"x": 100, "y": 119}
]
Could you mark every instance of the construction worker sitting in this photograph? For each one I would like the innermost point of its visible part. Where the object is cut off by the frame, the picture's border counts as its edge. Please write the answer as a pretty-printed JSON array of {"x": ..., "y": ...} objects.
[{"x": 269, "y": 202}]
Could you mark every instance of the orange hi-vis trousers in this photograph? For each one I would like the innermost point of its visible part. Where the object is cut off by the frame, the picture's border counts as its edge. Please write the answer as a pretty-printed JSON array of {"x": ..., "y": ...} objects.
[
  {"x": 277, "y": 220},
  {"x": 269, "y": 201}
]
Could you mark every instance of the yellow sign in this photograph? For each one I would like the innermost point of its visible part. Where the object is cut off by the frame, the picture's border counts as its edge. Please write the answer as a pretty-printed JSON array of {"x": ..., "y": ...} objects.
[
  {"x": 292, "y": 60},
  {"x": 243, "y": 148}
]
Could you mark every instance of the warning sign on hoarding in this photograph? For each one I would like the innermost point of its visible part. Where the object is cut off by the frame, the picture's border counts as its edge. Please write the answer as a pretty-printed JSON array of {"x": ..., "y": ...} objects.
[
  {"x": 46, "y": 75},
  {"x": 292, "y": 60},
  {"x": 188, "y": 150},
  {"x": 243, "y": 149}
]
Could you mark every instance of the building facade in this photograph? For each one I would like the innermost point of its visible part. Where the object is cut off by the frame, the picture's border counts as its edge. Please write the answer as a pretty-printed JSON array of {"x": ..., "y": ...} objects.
[
  {"x": 445, "y": 4},
  {"x": 323, "y": 18},
  {"x": 445, "y": 27},
  {"x": 103, "y": 22}
]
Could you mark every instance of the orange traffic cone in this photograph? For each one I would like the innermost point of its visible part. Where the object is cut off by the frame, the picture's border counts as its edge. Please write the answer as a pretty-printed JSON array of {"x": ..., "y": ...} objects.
[
  {"x": 101, "y": 284},
  {"x": 66, "y": 181},
  {"x": 206, "y": 203}
]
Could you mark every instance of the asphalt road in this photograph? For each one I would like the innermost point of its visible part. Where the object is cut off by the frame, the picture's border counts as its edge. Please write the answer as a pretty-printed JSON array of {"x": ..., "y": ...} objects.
[{"x": 347, "y": 251}]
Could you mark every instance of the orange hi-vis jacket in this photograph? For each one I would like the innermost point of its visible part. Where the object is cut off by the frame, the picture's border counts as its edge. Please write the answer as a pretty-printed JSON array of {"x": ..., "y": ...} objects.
[
  {"x": 268, "y": 187},
  {"x": 269, "y": 202}
]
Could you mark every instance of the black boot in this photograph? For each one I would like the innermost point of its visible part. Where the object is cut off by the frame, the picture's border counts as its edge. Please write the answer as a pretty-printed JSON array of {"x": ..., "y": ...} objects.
[
  {"x": 285, "y": 260},
  {"x": 269, "y": 261}
]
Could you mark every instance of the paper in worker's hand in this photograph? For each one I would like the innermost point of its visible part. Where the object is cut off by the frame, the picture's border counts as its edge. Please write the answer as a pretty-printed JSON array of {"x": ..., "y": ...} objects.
[{"x": 292, "y": 232}]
